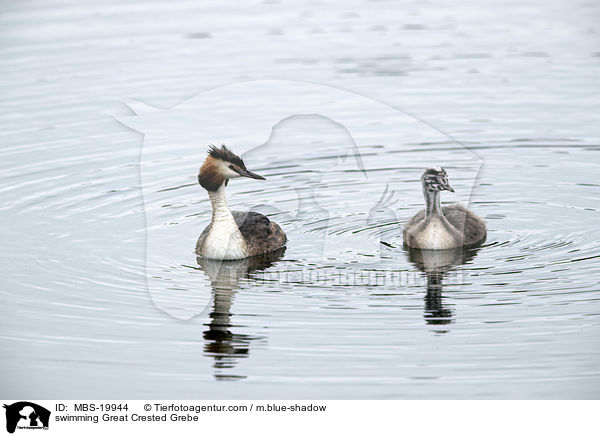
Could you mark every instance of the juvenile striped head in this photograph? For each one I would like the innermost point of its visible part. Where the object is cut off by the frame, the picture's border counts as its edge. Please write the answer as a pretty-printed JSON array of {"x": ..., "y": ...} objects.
[
  {"x": 435, "y": 180},
  {"x": 220, "y": 165}
]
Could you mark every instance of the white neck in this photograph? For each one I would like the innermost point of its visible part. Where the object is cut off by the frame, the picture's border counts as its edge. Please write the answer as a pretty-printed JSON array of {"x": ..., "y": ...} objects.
[
  {"x": 224, "y": 240},
  {"x": 218, "y": 200}
]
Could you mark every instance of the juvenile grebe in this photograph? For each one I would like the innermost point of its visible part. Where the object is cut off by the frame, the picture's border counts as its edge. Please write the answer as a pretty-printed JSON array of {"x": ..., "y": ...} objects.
[
  {"x": 441, "y": 228},
  {"x": 232, "y": 235}
]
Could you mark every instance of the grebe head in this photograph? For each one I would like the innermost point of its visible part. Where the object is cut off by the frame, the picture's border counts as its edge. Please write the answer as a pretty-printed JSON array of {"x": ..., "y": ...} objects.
[
  {"x": 435, "y": 180},
  {"x": 220, "y": 165}
]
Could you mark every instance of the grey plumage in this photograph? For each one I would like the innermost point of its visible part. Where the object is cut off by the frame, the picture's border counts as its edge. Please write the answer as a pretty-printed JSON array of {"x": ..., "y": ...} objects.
[
  {"x": 440, "y": 227},
  {"x": 474, "y": 231},
  {"x": 466, "y": 222}
]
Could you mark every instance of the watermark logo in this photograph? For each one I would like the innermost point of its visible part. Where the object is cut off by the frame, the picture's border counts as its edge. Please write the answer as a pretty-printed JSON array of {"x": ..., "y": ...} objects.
[{"x": 25, "y": 415}]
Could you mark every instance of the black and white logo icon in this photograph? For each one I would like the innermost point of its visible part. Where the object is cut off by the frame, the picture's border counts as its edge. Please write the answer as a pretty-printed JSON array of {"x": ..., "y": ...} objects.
[{"x": 26, "y": 415}]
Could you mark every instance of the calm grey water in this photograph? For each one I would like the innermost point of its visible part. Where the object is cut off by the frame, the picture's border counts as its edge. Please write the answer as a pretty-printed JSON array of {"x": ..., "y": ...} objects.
[{"x": 514, "y": 83}]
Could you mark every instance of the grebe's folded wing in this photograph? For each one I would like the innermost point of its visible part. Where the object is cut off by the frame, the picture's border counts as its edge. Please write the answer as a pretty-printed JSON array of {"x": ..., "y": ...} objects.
[
  {"x": 252, "y": 224},
  {"x": 260, "y": 233},
  {"x": 470, "y": 225}
]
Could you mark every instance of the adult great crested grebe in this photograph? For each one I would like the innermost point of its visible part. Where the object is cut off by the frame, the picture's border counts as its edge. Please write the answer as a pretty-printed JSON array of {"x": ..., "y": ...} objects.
[
  {"x": 233, "y": 235},
  {"x": 440, "y": 228}
]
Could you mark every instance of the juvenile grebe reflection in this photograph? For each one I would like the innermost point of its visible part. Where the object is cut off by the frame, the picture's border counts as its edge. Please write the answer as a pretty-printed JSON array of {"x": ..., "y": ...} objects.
[
  {"x": 221, "y": 343},
  {"x": 437, "y": 264}
]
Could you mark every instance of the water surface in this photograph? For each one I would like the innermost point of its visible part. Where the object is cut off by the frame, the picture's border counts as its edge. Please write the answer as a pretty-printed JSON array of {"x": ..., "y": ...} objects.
[{"x": 514, "y": 85}]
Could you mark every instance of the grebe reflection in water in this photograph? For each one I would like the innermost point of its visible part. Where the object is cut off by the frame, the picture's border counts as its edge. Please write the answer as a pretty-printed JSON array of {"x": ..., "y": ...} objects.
[
  {"x": 438, "y": 264},
  {"x": 225, "y": 346}
]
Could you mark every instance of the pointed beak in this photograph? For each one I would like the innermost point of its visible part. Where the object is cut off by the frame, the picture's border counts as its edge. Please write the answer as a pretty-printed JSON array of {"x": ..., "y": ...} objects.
[
  {"x": 246, "y": 173},
  {"x": 445, "y": 185}
]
